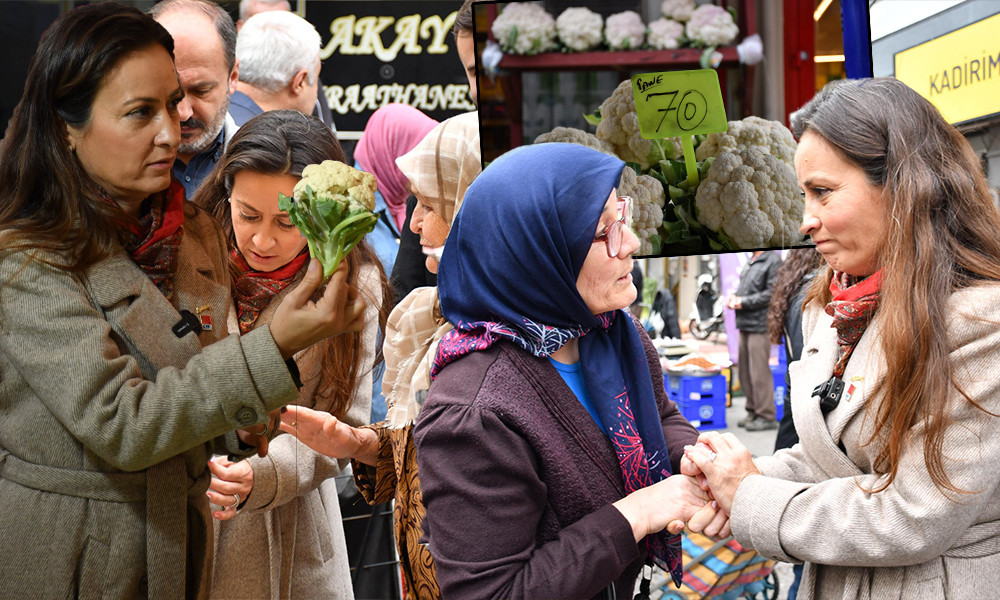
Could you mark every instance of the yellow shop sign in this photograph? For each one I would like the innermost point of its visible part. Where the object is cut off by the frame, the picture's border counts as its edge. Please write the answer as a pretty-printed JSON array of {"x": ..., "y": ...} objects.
[{"x": 959, "y": 72}]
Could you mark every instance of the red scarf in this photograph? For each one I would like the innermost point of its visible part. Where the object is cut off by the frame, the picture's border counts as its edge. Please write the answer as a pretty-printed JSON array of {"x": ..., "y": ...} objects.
[
  {"x": 254, "y": 290},
  {"x": 155, "y": 245},
  {"x": 852, "y": 308}
]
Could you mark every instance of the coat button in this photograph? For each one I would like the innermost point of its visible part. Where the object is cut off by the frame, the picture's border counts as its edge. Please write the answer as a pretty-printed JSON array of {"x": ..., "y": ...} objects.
[{"x": 246, "y": 416}]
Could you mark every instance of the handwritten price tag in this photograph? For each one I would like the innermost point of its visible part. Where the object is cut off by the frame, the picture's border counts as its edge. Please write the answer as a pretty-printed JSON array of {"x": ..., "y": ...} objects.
[{"x": 679, "y": 103}]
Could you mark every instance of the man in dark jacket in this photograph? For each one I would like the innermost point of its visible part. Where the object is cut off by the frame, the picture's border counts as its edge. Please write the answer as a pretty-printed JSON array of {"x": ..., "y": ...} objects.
[{"x": 751, "y": 302}]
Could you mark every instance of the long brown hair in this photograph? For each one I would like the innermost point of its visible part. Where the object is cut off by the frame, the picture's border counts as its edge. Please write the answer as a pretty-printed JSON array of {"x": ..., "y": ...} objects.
[
  {"x": 47, "y": 201},
  {"x": 798, "y": 263},
  {"x": 942, "y": 237},
  {"x": 283, "y": 142}
]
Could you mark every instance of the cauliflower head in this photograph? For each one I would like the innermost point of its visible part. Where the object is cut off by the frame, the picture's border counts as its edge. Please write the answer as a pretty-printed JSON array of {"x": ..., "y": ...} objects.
[
  {"x": 770, "y": 137},
  {"x": 753, "y": 198},
  {"x": 711, "y": 25},
  {"x": 580, "y": 29},
  {"x": 333, "y": 180},
  {"x": 647, "y": 209},
  {"x": 678, "y": 10},
  {"x": 571, "y": 135},
  {"x": 525, "y": 28},
  {"x": 620, "y": 127},
  {"x": 332, "y": 206},
  {"x": 625, "y": 31},
  {"x": 664, "y": 34}
]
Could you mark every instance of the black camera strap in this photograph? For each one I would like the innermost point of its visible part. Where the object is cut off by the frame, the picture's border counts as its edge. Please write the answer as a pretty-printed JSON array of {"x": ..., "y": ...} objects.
[{"x": 829, "y": 393}]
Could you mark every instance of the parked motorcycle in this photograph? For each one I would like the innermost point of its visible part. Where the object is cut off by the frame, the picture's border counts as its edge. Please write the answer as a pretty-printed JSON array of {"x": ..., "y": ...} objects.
[{"x": 707, "y": 318}]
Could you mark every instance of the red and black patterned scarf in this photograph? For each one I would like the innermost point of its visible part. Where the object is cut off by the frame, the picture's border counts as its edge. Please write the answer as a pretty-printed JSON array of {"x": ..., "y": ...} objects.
[
  {"x": 155, "y": 244},
  {"x": 854, "y": 303},
  {"x": 254, "y": 290}
]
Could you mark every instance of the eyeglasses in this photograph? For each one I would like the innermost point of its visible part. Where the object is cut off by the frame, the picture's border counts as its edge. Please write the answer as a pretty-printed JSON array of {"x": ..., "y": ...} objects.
[{"x": 613, "y": 235}]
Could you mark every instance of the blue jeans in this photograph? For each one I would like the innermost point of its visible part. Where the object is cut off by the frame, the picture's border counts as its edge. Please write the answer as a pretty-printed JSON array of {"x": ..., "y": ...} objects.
[{"x": 793, "y": 589}]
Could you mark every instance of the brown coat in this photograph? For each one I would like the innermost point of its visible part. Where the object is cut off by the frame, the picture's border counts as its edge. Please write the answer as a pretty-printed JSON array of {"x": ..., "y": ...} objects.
[
  {"x": 288, "y": 539},
  {"x": 910, "y": 540},
  {"x": 107, "y": 420}
]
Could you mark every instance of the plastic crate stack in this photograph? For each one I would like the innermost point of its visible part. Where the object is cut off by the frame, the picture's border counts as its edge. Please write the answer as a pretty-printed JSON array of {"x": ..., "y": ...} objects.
[
  {"x": 701, "y": 399},
  {"x": 780, "y": 388}
]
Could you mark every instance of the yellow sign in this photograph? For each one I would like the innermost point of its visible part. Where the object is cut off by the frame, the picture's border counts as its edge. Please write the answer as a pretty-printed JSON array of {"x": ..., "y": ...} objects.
[
  {"x": 679, "y": 103},
  {"x": 958, "y": 72},
  {"x": 682, "y": 104}
]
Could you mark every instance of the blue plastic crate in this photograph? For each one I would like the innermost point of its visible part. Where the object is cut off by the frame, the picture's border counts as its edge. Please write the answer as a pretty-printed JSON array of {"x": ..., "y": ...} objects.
[
  {"x": 702, "y": 400},
  {"x": 780, "y": 391},
  {"x": 692, "y": 387},
  {"x": 705, "y": 413}
]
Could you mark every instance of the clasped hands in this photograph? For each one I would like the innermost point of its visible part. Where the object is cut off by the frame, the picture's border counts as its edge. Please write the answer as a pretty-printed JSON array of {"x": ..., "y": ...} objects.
[{"x": 718, "y": 462}]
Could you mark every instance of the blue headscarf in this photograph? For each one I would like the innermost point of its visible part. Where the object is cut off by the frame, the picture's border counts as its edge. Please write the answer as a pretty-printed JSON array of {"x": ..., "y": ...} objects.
[{"x": 509, "y": 271}]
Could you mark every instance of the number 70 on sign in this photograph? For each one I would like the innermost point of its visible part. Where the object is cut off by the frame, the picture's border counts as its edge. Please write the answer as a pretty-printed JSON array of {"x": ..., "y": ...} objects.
[
  {"x": 682, "y": 104},
  {"x": 677, "y": 103}
]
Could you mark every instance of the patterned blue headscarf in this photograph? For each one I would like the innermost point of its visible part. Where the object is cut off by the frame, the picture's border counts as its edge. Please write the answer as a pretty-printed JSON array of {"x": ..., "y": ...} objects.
[{"x": 509, "y": 271}]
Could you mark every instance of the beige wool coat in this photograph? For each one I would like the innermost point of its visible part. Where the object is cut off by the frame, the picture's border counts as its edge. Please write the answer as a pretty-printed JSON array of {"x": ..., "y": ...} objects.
[
  {"x": 288, "y": 539},
  {"x": 910, "y": 540},
  {"x": 107, "y": 420}
]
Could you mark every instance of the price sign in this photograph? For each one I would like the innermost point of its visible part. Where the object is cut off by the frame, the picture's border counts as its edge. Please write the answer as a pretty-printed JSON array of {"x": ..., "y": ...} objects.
[{"x": 680, "y": 104}]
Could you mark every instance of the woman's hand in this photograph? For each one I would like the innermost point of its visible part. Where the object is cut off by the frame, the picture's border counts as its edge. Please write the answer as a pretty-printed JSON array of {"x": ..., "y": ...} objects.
[
  {"x": 299, "y": 322},
  {"x": 328, "y": 435},
  {"x": 667, "y": 504},
  {"x": 231, "y": 485},
  {"x": 725, "y": 461},
  {"x": 256, "y": 435}
]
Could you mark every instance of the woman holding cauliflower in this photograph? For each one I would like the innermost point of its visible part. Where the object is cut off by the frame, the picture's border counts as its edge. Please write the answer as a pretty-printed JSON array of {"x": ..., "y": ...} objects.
[
  {"x": 547, "y": 441},
  {"x": 439, "y": 169},
  {"x": 111, "y": 399},
  {"x": 285, "y": 539},
  {"x": 892, "y": 490}
]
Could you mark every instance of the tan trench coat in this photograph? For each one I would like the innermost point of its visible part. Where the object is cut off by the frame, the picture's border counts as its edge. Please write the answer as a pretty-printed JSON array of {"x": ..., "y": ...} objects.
[
  {"x": 910, "y": 540},
  {"x": 288, "y": 539},
  {"x": 107, "y": 420}
]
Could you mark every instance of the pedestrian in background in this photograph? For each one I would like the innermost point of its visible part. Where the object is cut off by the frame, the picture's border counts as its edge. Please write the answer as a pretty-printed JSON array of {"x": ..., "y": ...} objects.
[
  {"x": 205, "y": 57},
  {"x": 784, "y": 325},
  {"x": 751, "y": 301}
]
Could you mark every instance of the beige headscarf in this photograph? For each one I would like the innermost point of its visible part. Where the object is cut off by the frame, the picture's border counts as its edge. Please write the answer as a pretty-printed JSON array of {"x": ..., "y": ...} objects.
[{"x": 440, "y": 168}]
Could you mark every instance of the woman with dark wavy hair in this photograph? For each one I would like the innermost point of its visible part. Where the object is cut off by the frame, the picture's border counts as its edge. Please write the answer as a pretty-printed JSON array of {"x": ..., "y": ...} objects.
[
  {"x": 287, "y": 540},
  {"x": 784, "y": 322},
  {"x": 892, "y": 489},
  {"x": 117, "y": 381}
]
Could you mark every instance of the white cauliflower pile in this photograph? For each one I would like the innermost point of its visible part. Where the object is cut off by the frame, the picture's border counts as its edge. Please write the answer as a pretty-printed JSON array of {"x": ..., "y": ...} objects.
[
  {"x": 525, "y": 28},
  {"x": 647, "y": 209},
  {"x": 664, "y": 34},
  {"x": 625, "y": 31},
  {"x": 770, "y": 137},
  {"x": 678, "y": 10},
  {"x": 580, "y": 29},
  {"x": 753, "y": 198},
  {"x": 711, "y": 25},
  {"x": 620, "y": 127},
  {"x": 576, "y": 136}
]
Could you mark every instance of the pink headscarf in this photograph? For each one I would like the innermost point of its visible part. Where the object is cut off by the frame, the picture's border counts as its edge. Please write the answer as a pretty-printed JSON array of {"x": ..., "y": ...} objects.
[{"x": 392, "y": 131}]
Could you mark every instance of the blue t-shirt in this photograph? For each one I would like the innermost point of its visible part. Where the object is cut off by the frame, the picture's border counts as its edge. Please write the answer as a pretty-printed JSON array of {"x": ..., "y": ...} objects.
[{"x": 573, "y": 376}]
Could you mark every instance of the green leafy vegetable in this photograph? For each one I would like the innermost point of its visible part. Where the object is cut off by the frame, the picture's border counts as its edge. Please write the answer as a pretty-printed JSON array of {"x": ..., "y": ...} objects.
[{"x": 332, "y": 207}]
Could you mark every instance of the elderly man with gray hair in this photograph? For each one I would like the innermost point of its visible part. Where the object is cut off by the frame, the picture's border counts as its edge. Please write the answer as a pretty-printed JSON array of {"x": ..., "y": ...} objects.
[{"x": 278, "y": 54}]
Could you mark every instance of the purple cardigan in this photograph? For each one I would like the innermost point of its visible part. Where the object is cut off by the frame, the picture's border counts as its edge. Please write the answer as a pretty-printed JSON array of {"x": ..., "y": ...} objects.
[{"x": 518, "y": 481}]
